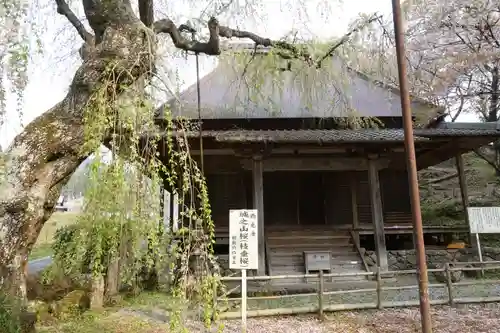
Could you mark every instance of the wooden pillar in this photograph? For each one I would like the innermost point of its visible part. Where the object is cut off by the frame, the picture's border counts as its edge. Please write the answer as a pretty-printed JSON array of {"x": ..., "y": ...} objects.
[
  {"x": 297, "y": 196},
  {"x": 354, "y": 205},
  {"x": 258, "y": 203},
  {"x": 377, "y": 214},
  {"x": 463, "y": 191}
]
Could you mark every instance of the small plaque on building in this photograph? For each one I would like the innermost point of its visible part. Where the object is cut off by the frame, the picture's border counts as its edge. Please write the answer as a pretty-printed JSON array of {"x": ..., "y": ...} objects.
[{"x": 318, "y": 261}]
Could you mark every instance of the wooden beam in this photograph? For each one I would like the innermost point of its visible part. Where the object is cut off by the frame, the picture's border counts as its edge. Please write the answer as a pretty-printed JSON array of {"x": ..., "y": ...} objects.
[
  {"x": 449, "y": 150},
  {"x": 354, "y": 205},
  {"x": 314, "y": 163},
  {"x": 442, "y": 153},
  {"x": 258, "y": 203},
  {"x": 377, "y": 214},
  {"x": 439, "y": 180},
  {"x": 463, "y": 189},
  {"x": 426, "y": 155},
  {"x": 297, "y": 195}
]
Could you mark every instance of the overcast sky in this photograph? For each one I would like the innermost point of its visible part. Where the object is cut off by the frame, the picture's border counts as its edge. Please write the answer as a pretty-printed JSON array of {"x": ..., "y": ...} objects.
[{"x": 51, "y": 72}]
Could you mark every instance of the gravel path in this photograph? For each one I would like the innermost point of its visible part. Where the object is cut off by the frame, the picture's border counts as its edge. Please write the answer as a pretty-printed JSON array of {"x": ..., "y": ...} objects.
[{"x": 465, "y": 319}]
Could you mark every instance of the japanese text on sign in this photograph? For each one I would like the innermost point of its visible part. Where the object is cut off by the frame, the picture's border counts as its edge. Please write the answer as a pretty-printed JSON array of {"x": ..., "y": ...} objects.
[
  {"x": 243, "y": 239},
  {"x": 484, "y": 220}
]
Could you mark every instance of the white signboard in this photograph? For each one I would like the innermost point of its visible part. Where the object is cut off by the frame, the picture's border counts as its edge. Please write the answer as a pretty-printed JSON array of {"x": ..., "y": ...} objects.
[
  {"x": 484, "y": 220},
  {"x": 243, "y": 241}
]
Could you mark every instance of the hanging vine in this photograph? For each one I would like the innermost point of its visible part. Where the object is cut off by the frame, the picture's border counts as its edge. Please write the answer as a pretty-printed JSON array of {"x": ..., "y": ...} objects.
[{"x": 120, "y": 236}]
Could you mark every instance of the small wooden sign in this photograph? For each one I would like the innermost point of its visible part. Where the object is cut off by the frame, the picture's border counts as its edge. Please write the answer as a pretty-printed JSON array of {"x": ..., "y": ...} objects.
[{"x": 318, "y": 261}]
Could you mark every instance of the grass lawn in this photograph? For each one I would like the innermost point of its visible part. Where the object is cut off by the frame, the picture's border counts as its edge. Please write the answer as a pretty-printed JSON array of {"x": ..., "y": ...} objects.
[
  {"x": 131, "y": 315},
  {"x": 106, "y": 322},
  {"x": 42, "y": 247}
]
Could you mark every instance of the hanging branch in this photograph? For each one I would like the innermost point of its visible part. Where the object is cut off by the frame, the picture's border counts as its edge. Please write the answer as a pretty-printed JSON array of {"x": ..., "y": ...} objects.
[
  {"x": 487, "y": 160},
  {"x": 212, "y": 47},
  {"x": 374, "y": 17}
]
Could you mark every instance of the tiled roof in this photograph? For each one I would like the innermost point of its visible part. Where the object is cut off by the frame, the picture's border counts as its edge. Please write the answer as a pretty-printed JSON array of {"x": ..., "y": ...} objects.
[
  {"x": 332, "y": 91},
  {"x": 339, "y": 136},
  {"x": 312, "y": 136},
  {"x": 453, "y": 132},
  {"x": 305, "y": 136}
]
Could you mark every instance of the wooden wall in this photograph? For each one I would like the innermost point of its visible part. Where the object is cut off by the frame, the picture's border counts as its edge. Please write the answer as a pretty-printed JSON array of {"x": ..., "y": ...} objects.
[
  {"x": 228, "y": 191},
  {"x": 310, "y": 197}
]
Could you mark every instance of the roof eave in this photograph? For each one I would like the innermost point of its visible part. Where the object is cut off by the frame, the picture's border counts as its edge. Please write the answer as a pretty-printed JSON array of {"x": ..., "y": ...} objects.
[{"x": 472, "y": 126}]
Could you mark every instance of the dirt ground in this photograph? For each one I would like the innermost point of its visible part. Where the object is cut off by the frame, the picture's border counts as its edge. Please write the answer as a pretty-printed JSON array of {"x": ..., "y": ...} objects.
[
  {"x": 475, "y": 319},
  {"x": 466, "y": 319}
]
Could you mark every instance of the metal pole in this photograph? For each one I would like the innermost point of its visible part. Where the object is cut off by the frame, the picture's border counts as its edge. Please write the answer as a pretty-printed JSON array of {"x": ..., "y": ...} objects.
[
  {"x": 411, "y": 166},
  {"x": 198, "y": 96},
  {"x": 200, "y": 122}
]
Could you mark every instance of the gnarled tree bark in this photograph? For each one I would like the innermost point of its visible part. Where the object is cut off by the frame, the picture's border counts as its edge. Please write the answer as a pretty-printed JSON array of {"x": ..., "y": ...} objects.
[{"x": 42, "y": 158}]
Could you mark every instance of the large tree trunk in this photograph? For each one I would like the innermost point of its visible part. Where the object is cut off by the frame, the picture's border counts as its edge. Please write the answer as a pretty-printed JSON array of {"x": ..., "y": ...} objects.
[
  {"x": 44, "y": 156},
  {"x": 48, "y": 151}
]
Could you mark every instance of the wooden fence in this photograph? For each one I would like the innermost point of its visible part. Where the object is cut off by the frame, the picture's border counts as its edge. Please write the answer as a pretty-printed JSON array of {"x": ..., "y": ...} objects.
[{"x": 322, "y": 305}]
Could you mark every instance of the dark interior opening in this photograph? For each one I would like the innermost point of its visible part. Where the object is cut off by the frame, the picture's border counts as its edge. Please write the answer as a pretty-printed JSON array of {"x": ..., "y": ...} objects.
[
  {"x": 367, "y": 242},
  {"x": 312, "y": 198},
  {"x": 221, "y": 249},
  {"x": 399, "y": 242},
  {"x": 392, "y": 242},
  {"x": 294, "y": 197},
  {"x": 405, "y": 241}
]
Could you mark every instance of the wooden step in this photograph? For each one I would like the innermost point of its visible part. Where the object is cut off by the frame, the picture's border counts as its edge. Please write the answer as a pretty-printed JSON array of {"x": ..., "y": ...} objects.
[
  {"x": 299, "y": 260},
  {"x": 317, "y": 238},
  {"x": 301, "y": 245},
  {"x": 317, "y": 235},
  {"x": 294, "y": 250},
  {"x": 309, "y": 243},
  {"x": 321, "y": 236}
]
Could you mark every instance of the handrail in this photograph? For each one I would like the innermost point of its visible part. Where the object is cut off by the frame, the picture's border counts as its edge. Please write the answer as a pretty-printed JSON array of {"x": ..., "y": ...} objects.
[{"x": 358, "y": 248}]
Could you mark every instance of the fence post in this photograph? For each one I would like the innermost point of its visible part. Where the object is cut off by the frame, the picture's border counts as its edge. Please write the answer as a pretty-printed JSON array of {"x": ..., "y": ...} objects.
[
  {"x": 321, "y": 290},
  {"x": 379, "y": 289},
  {"x": 449, "y": 284}
]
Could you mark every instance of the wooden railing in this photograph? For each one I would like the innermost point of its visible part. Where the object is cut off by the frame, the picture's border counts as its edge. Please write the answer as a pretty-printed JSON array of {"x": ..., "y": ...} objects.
[
  {"x": 322, "y": 305},
  {"x": 355, "y": 240}
]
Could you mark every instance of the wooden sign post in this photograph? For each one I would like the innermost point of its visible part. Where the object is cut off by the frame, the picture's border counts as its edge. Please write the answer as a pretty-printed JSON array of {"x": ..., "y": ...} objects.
[
  {"x": 483, "y": 220},
  {"x": 244, "y": 250}
]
